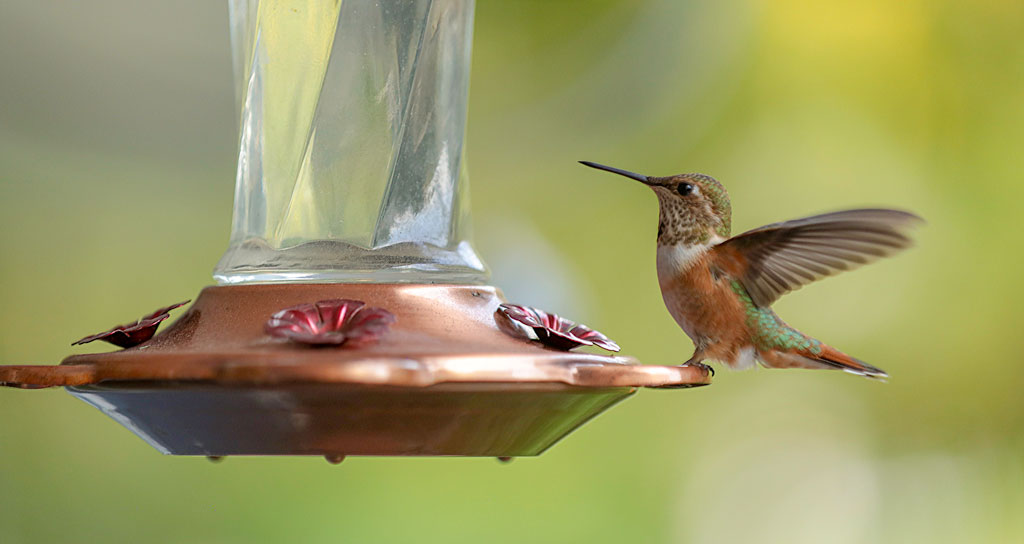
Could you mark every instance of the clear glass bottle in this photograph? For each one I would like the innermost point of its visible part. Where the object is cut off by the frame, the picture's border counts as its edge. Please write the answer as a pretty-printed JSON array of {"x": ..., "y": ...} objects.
[{"x": 350, "y": 163}]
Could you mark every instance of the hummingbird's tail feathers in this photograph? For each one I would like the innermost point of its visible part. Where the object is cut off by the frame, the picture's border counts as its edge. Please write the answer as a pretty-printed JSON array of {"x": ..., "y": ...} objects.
[
  {"x": 826, "y": 357},
  {"x": 849, "y": 364}
]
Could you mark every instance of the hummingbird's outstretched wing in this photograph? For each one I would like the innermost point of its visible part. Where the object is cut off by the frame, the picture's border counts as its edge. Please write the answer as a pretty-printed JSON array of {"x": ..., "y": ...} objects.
[{"x": 775, "y": 259}]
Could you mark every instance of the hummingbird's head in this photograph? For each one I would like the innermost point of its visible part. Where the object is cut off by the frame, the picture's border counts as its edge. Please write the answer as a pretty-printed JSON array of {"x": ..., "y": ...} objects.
[{"x": 694, "y": 208}]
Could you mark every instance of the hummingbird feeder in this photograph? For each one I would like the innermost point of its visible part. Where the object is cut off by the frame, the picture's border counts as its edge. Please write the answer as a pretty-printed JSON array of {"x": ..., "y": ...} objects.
[{"x": 351, "y": 315}]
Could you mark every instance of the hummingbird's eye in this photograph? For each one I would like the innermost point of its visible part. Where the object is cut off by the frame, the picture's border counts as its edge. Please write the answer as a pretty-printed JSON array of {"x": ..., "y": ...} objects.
[{"x": 684, "y": 189}]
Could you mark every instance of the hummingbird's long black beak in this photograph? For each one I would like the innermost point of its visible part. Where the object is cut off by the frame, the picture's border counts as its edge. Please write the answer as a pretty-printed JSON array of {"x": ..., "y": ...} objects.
[{"x": 632, "y": 175}]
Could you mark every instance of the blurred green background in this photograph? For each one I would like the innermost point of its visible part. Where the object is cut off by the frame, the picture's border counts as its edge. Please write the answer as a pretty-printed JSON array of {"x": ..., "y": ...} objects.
[{"x": 117, "y": 154}]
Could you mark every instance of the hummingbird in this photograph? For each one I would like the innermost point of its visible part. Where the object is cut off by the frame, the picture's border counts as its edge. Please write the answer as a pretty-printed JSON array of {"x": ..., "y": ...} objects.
[{"x": 719, "y": 288}]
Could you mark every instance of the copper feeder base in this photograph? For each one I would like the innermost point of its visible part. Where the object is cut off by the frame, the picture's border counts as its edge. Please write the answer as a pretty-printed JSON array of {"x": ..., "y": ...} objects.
[{"x": 445, "y": 380}]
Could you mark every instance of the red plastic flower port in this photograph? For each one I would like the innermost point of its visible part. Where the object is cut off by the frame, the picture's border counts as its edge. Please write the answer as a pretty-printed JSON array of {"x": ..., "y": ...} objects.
[
  {"x": 330, "y": 322},
  {"x": 136, "y": 333},
  {"x": 556, "y": 331}
]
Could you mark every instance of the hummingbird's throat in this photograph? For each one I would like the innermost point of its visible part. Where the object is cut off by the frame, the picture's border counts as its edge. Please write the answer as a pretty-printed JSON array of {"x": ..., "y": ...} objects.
[
  {"x": 683, "y": 222},
  {"x": 675, "y": 231}
]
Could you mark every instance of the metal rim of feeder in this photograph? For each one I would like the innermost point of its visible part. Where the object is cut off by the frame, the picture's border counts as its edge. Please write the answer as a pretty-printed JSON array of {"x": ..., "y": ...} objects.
[{"x": 351, "y": 185}]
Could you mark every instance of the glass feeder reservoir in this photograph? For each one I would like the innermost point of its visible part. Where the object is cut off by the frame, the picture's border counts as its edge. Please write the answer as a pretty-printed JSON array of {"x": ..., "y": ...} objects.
[
  {"x": 350, "y": 164},
  {"x": 351, "y": 316}
]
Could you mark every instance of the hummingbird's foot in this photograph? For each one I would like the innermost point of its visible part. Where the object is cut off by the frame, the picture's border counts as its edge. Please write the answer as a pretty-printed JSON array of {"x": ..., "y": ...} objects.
[{"x": 702, "y": 366}]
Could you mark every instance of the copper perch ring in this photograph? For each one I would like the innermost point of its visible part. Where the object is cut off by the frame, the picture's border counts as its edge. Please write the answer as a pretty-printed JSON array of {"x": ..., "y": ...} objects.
[{"x": 221, "y": 340}]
